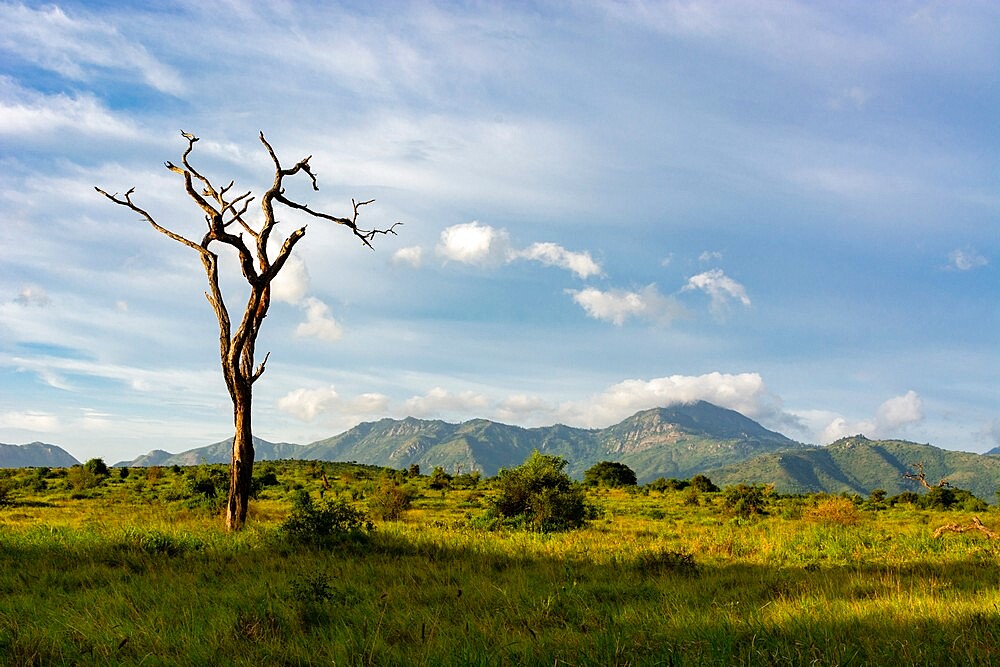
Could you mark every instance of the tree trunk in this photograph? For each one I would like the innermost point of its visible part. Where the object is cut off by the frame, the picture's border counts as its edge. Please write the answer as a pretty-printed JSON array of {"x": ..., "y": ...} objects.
[{"x": 241, "y": 471}]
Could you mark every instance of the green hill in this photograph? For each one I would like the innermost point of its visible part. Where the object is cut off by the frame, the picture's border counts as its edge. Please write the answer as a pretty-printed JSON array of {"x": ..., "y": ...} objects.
[{"x": 859, "y": 465}]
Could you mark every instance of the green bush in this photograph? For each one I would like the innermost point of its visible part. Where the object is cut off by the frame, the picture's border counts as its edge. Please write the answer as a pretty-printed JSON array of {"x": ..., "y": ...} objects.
[
  {"x": 81, "y": 478},
  {"x": 439, "y": 479},
  {"x": 326, "y": 522},
  {"x": 539, "y": 495},
  {"x": 390, "y": 500},
  {"x": 97, "y": 467},
  {"x": 609, "y": 473},
  {"x": 703, "y": 483},
  {"x": 745, "y": 500}
]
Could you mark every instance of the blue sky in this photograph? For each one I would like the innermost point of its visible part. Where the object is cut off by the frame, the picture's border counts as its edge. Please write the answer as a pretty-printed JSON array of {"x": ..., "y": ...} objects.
[{"x": 788, "y": 209}]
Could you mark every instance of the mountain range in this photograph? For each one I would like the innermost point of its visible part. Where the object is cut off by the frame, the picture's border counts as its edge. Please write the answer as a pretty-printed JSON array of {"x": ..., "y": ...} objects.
[{"x": 677, "y": 441}]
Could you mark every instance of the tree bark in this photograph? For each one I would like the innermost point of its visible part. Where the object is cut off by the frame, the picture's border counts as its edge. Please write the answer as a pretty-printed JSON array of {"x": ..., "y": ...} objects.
[{"x": 241, "y": 470}]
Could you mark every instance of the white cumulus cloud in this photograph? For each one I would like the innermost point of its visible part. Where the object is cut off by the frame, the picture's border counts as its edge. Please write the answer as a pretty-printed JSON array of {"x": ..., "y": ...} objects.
[
  {"x": 617, "y": 305},
  {"x": 307, "y": 404},
  {"x": 743, "y": 392},
  {"x": 319, "y": 322},
  {"x": 517, "y": 407},
  {"x": 484, "y": 245},
  {"x": 292, "y": 283},
  {"x": 892, "y": 417},
  {"x": 441, "y": 401},
  {"x": 412, "y": 256},
  {"x": 475, "y": 243}
]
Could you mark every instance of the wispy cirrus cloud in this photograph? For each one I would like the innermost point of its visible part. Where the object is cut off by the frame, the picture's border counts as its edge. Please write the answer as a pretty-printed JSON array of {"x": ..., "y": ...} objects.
[
  {"x": 26, "y": 113},
  {"x": 966, "y": 260},
  {"x": 721, "y": 288},
  {"x": 79, "y": 47}
]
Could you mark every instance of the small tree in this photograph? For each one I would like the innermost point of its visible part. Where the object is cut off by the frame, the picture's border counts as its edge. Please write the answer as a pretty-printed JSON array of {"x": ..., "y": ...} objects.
[
  {"x": 609, "y": 473},
  {"x": 703, "y": 483},
  {"x": 439, "y": 479},
  {"x": 97, "y": 467},
  {"x": 539, "y": 495},
  {"x": 226, "y": 223},
  {"x": 745, "y": 500}
]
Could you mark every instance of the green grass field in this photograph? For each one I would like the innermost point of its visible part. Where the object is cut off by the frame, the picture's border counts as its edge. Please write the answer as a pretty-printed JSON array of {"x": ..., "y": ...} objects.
[{"x": 138, "y": 570}]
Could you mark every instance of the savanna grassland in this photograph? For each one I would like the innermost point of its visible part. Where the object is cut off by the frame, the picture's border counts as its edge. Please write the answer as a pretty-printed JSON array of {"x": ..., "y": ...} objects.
[{"x": 109, "y": 569}]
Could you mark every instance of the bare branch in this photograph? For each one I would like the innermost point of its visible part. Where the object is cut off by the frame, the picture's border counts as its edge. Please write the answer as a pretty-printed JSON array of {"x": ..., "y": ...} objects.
[
  {"x": 366, "y": 235},
  {"x": 976, "y": 524},
  {"x": 920, "y": 477},
  {"x": 128, "y": 203},
  {"x": 260, "y": 369}
]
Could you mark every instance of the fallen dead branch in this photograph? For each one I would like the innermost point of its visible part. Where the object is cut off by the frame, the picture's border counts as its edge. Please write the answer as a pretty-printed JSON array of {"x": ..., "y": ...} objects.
[{"x": 976, "y": 524}]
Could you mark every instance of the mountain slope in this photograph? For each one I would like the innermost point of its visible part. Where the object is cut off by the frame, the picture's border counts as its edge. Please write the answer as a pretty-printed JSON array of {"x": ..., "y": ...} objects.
[
  {"x": 676, "y": 442},
  {"x": 684, "y": 440},
  {"x": 35, "y": 455},
  {"x": 219, "y": 452},
  {"x": 859, "y": 465}
]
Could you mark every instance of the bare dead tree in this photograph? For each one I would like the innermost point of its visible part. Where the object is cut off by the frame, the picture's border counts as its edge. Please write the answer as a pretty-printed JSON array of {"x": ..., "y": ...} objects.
[
  {"x": 919, "y": 476},
  {"x": 225, "y": 216}
]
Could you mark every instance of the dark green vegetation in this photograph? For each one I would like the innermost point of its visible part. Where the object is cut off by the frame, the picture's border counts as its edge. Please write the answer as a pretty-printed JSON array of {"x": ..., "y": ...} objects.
[
  {"x": 609, "y": 473},
  {"x": 134, "y": 567}
]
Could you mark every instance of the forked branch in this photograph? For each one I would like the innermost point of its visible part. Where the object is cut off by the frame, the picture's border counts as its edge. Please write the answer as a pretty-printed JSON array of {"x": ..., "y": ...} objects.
[{"x": 919, "y": 476}]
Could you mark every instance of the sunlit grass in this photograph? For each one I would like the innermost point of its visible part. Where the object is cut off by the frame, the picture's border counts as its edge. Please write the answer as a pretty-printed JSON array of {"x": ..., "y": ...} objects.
[{"x": 138, "y": 574}]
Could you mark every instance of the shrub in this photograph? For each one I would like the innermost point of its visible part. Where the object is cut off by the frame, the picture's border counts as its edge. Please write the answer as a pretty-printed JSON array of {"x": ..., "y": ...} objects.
[
  {"x": 81, "y": 478},
  {"x": 96, "y": 467},
  {"x": 329, "y": 521},
  {"x": 439, "y": 479},
  {"x": 837, "y": 510},
  {"x": 540, "y": 496},
  {"x": 906, "y": 497},
  {"x": 744, "y": 500},
  {"x": 609, "y": 473},
  {"x": 662, "y": 484},
  {"x": 413, "y": 470},
  {"x": 390, "y": 500},
  {"x": 703, "y": 483},
  {"x": 261, "y": 480}
]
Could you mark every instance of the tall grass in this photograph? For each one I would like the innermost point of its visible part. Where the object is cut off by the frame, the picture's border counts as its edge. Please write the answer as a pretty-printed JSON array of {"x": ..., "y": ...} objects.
[{"x": 126, "y": 579}]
